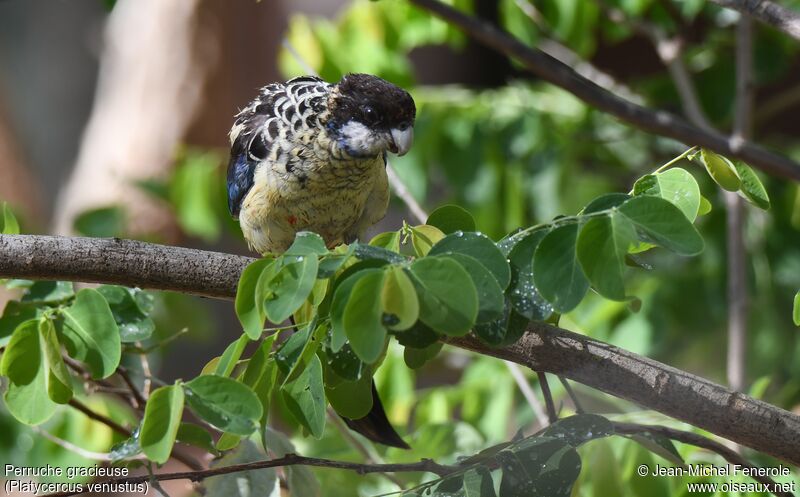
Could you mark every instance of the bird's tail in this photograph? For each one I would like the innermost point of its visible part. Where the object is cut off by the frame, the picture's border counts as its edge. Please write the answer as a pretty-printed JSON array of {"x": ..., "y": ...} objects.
[{"x": 376, "y": 426}]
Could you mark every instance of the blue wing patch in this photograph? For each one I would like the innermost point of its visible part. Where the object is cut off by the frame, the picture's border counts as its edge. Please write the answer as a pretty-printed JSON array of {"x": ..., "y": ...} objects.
[{"x": 240, "y": 180}]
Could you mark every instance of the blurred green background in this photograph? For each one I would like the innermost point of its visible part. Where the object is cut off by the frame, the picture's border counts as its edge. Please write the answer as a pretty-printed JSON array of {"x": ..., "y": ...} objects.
[{"x": 510, "y": 149}]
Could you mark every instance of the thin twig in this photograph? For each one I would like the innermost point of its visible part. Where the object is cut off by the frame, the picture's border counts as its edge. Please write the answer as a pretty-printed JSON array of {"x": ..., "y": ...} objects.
[
  {"x": 69, "y": 446},
  {"x": 737, "y": 257},
  {"x": 403, "y": 194},
  {"x": 138, "y": 397},
  {"x": 423, "y": 466},
  {"x": 548, "y": 397},
  {"x": 571, "y": 393},
  {"x": 100, "y": 418},
  {"x": 527, "y": 392},
  {"x": 146, "y": 382},
  {"x": 369, "y": 455}
]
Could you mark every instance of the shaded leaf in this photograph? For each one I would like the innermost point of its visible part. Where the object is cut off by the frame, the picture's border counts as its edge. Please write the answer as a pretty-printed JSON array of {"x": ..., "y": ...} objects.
[
  {"x": 305, "y": 398},
  {"x": 479, "y": 246},
  {"x": 448, "y": 298},
  {"x": 556, "y": 271},
  {"x": 251, "y": 313},
  {"x": 451, "y": 218},
  {"x": 752, "y": 188},
  {"x": 224, "y": 403},
  {"x": 363, "y": 317},
  {"x": 660, "y": 222},
  {"x": 92, "y": 334},
  {"x": 601, "y": 248},
  {"x": 105, "y": 222}
]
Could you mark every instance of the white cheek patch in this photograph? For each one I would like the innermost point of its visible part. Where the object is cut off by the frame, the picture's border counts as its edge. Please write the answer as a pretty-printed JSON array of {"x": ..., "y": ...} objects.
[{"x": 360, "y": 139}]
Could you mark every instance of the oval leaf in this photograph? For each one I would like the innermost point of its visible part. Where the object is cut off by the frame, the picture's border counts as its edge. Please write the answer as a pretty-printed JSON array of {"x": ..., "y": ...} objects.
[
  {"x": 676, "y": 185},
  {"x": 92, "y": 331},
  {"x": 752, "y": 188},
  {"x": 721, "y": 170},
  {"x": 556, "y": 271},
  {"x": 162, "y": 418},
  {"x": 290, "y": 287},
  {"x": 224, "y": 403},
  {"x": 490, "y": 295},
  {"x": 479, "y": 246},
  {"x": 363, "y": 318},
  {"x": 305, "y": 398},
  {"x": 399, "y": 301},
  {"x": 660, "y": 222},
  {"x": 448, "y": 298},
  {"x": 451, "y": 218},
  {"x": 251, "y": 313},
  {"x": 424, "y": 237},
  {"x": 602, "y": 245}
]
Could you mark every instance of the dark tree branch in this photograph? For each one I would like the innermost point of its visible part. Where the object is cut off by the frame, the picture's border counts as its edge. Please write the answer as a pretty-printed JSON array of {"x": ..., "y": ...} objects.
[
  {"x": 684, "y": 396},
  {"x": 770, "y": 13},
  {"x": 657, "y": 122},
  {"x": 424, "y": 466}
]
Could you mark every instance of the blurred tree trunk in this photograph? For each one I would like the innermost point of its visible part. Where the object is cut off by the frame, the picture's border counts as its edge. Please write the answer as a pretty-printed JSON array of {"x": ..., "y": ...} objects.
[
  {"x": 17, "y": 186},
  {"x": 152, "y": 69}
]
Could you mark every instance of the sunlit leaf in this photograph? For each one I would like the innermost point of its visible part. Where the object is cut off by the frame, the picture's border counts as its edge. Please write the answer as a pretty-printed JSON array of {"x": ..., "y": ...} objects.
[
  {"x": 424, "y": 237},
  {"x": 92, "y": 334},
  {"x": 251, "y": 313},
  {"x": 479, "y": 246},
  {"x": 752, "y": 188},
  {"x": 363, "y": 317},
  {"x": 660, "y": 222},
  {"x": 721, "y": 170},
  {"x": 399, "y": 301},
  {"x": 162, "y": 418},
  {"x": 676, "y": 185}
]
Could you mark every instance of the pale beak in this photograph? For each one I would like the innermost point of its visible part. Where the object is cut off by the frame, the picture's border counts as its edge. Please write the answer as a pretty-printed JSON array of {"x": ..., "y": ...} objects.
[{"x": 402, "y": 140}]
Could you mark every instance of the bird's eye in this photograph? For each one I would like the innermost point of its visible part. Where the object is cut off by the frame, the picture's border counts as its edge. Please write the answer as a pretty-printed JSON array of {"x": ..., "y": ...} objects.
[
  {"x": 403, "y": 126},
  {"x": 369, "y": 113}
]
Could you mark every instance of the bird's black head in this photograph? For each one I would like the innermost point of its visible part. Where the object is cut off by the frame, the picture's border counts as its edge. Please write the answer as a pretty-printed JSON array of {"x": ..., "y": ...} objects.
[{"x": 370, "y": 116}]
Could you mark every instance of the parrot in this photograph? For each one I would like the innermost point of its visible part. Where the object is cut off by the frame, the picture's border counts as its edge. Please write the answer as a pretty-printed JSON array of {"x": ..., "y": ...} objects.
[{"x": 307, "y": 155}]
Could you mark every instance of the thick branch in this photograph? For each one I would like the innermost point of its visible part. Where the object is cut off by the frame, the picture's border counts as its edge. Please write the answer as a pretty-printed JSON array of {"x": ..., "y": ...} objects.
[
  {"x": 657, "y": 122},
  {"x": 769, "y": 13},
  {"x": 649, "y": 383}
]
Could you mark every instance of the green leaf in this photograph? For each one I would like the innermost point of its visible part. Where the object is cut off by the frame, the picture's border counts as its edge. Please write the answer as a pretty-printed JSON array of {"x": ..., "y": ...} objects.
[
  {"x": 230, "y": 357},
  {"x": 250, "y": 312},
  {"x": 10, "y": 225},
  {"x": 424, "y": 237},
  {"x": 363, "y": 318},
  {"x": 351, "y": 399},
  {"x": 126, "y": 449},
  {"x": 504, "y": 331},
  {"x": 538, "y": 466},
  {"x": 418, "y": 336},
  {"x": 579, "y": 429},
  {"x": 721, "y": 170},
  {"x": 482, "y": 248},
  {"x": 260, "y": 375},
  {"x": 290, "y": 351},
  {"x": 389, "y": 240},
  {"x": 752, "y": 188},
  {"x": 48, "y": 292},
  {"x": 22, "y": 358},
  {"x": 522, "y": 292},
  {"x": 660, "y": 445},
  {"x": 416, "y": 358},
  {"x": 608, "y": 200},
  {"x": 451, "y": 218},
  {"x": 15, "y": 314},
  {"x": 345, "y": 363},
  {"x": 660, "y": 222},
  {"x": 59, "y": 384},
  {"x": 478, "y": 483},
  {"x": 307, "y": 243},
  {"x": 227, "y": 441},
  {"x": 134, "y": 324},
  {"x": 290, "y": 287},
  {"x": 556, "y": 271},
  {"x": 676, "y": 185},
  {"x": 341, "y": 297},
  {"x": 602, "y": 245},
  {"x": 305, "y": 398},
  {"x": 105, "y": 222},
  {"x": 490, "y": 296},
  {"x": 399, "y": 302},
  {"x": 224, "y": 403},
  {"x": 162, "y": 418},
  {"x": 92, "y": 334},
  {"x": 448, "y": 298},
  {"x": 796, "y": 309},
  {"x": 192, "y": 434},
  {"x": 705, "y": 206},
  {"x": 369, "y": 252}
]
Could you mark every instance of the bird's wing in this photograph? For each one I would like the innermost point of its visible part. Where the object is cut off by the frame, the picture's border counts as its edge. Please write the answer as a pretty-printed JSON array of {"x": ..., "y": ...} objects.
[{"x": 277, "y": 113}]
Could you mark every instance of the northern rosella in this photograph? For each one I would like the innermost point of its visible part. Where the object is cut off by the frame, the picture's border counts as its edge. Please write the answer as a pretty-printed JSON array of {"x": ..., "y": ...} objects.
[{"x": 307, "y": 155}]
